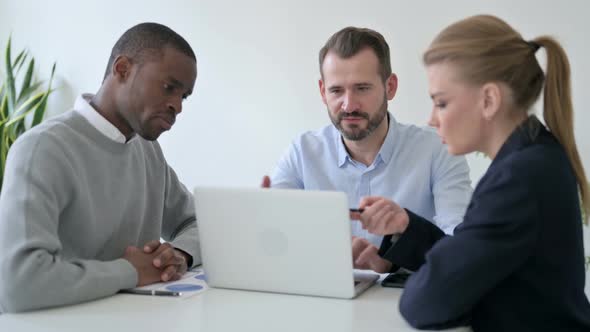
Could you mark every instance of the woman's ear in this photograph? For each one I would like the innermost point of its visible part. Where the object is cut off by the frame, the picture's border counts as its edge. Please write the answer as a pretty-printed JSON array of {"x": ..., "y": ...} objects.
[{"x": 491, "y": 99}]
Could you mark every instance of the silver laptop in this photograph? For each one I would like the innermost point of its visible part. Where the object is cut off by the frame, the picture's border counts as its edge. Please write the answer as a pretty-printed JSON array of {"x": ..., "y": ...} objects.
[{"x": 276, "y": 240}]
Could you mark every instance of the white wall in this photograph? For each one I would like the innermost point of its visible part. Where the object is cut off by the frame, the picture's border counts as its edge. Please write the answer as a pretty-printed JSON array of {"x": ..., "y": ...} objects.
[{"x": 257, "y": 62}]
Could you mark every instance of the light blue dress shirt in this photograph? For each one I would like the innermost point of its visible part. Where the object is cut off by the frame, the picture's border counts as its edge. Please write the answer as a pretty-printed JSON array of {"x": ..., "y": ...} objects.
[{"x": 412, "y": 168}]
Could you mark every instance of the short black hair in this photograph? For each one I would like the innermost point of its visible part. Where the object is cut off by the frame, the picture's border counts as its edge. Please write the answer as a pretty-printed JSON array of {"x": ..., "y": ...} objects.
[{"x": 147, "y": 39}]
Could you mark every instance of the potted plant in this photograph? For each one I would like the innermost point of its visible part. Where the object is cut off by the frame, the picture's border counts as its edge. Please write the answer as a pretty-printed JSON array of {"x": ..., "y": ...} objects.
[{"x": 22, "y": 100}]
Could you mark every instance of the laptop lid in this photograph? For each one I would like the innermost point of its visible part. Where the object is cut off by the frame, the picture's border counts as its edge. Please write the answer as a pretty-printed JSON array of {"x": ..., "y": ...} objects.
[{"x": 276, "y": 240}]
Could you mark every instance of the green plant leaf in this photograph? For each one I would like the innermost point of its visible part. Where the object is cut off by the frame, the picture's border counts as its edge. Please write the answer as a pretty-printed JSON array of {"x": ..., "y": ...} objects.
[
  {"x": 27, "y": 80},
  {"x": 26, "y": 110},
  {"x": 17, "y": 106},
  {"x": 4, "y": 109},
  {"x": 20, "y": 129},
  {"x": 10, "y": 89},
  {"x": 18, "y": 63},
  {"x": 2, "y": 152},
  {"x": 4, "y": 146},
  {"x": 40, "y": 111},
  {"x": 19, "y": 58},
  {"x": 26, "y": 106},
  {"x": 25, "y": 94}
]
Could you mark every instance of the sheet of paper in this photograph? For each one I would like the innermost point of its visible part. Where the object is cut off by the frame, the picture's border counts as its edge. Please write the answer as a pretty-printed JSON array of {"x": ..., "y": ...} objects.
[{"x": 192, "y": 283}]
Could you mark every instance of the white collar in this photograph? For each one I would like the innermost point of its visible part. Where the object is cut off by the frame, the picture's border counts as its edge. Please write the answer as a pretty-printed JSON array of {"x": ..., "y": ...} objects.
[{"x": 82, "y": 106}]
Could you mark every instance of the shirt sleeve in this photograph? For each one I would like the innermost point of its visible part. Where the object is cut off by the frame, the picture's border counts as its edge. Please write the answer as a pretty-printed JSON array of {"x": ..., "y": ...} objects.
[
  {"x": 287, "y": 173},
  {"x": 497, "y": 235},
  {"x": 451, "y": 189},
  {"x": 34, "y": 273},
  {"x": 179, "y": 225}
]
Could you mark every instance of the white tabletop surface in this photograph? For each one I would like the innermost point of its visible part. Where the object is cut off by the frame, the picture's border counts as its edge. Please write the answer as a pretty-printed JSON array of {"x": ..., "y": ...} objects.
[{"x": 221, "y": 310}]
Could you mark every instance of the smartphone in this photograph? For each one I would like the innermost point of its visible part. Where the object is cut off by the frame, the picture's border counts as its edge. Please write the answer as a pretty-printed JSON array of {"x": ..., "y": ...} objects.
[{"x": 397, "y": 280}]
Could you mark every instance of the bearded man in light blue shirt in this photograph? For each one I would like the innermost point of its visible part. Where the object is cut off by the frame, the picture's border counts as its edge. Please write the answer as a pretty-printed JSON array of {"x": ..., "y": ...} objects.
[{"x": 367, "y": 153}]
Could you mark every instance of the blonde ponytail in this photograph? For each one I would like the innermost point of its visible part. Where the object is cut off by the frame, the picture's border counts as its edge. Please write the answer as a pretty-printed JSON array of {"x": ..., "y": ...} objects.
[{"x": 558, "y": 111}]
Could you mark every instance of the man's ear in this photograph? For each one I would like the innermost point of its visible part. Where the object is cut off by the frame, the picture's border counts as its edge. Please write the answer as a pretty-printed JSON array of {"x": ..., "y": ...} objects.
[
  {"x": 492, "y": 100},
  {"x": 391, "y": 86},
  {"x": 322, "y": 90},
  {"x": 121, "y": 68}
]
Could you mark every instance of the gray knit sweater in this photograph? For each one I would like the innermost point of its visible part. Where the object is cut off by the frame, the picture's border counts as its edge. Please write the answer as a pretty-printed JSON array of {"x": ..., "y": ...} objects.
[{"x": 71, "y": 202}]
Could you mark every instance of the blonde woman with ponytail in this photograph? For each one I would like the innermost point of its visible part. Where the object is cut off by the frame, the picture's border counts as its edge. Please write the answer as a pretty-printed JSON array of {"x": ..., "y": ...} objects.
[{"x": 516, "y": 263}]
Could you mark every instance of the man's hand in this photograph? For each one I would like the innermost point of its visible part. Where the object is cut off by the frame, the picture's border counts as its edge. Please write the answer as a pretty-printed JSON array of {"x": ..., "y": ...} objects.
[
  {"x": 143, "y": 263},
  {"x": 365, "y": 256},
  {"x": 382, "y": 216},
  {"x": 265, "y": 182},
  {"x": 171, "y": 262}
]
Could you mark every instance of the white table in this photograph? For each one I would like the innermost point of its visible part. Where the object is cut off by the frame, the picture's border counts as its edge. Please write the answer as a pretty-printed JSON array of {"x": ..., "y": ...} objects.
[{"x": 220, "y": 310}]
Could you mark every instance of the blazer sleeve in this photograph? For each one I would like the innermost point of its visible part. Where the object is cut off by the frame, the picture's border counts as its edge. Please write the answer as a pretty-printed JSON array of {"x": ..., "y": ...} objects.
[
  {"x": 497, "y": 235},
  {"x": 411, "y": 247}
]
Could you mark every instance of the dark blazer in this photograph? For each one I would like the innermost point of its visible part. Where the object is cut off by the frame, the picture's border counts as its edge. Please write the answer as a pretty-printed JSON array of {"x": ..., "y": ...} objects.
[{"x": 516, "y": 263}]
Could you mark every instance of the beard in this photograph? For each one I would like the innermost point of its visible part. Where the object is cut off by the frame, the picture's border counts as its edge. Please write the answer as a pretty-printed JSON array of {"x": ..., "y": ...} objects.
[{"x": 355, "y": 132}]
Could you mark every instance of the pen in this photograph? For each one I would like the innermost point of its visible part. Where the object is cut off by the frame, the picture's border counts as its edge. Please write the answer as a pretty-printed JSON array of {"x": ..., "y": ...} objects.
[
  {"x": 356, "y": 210},
  {"x": 150, "y": 292}
]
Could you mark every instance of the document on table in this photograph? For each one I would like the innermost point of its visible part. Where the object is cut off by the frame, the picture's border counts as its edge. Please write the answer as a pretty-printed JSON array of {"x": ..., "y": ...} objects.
[{"x": 192, "y": 283}]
